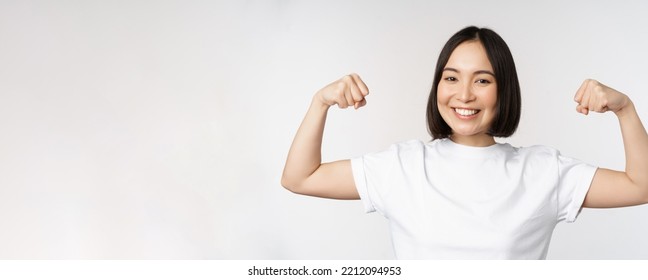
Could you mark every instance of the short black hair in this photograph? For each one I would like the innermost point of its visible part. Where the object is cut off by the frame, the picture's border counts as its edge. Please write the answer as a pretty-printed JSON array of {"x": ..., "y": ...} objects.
[{"x": 509, "y": 103}]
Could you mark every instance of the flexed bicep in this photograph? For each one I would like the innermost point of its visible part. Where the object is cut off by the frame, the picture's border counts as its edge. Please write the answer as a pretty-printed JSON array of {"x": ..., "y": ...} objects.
[
  {"x": 304, "y": 173},
  {"x": 611, "y": 188},
  {"x": 331, "y": 180}
]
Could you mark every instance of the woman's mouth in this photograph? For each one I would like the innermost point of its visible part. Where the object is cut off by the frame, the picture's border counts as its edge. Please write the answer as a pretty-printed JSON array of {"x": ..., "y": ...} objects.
[{"x": 466, "y": 113}]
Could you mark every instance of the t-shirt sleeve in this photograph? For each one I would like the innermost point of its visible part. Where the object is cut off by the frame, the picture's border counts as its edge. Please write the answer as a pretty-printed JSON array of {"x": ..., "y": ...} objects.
[
  {"x": 377, "y": 174},
  {"x": 360, "y": 178},
  {"x": 575, "y": 178},
  {"x": 369, "y": 173}
]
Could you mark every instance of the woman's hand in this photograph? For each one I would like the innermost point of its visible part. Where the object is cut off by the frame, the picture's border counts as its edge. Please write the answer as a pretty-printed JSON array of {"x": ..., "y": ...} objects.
[
  {"x": 597, "y": 97},
  {"x": 349, "y": 90}
]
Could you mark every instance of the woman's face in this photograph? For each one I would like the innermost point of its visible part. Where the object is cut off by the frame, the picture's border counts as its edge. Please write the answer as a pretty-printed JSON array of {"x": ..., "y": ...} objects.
[{"x": 467, "y": 94}]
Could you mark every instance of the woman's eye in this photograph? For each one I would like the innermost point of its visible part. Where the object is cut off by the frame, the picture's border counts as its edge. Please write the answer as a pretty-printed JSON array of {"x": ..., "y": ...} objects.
[
  {"x": 482, "y": 81},
  {"x": 451, "y": 79}
]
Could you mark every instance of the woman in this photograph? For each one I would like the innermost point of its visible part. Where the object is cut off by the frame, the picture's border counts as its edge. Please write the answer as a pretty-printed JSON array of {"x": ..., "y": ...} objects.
[{"x": 463, "y": 195}]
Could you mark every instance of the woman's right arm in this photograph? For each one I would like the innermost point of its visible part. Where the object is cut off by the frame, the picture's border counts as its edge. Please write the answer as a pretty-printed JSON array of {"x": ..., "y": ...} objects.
[{"x": 304, "y": 172}]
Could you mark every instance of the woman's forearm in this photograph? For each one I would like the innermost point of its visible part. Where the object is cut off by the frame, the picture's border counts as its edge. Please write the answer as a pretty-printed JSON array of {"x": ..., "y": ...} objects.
[
  {"x": 635, "y": 143},
  {"x": 305, "y": 154}
]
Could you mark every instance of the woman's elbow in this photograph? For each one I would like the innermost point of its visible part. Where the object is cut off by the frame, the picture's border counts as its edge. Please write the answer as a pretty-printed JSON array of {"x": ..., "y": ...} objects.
[
  {"x": 289, "y": 183},
  {"x": 644, "y": 198},
  {"x": 285, "y": 183}
]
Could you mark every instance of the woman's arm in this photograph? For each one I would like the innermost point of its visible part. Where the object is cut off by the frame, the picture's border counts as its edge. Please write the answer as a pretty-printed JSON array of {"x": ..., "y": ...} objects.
[
  {"x": 611, "y": 188},
  {"x": 304, "y": 172}
]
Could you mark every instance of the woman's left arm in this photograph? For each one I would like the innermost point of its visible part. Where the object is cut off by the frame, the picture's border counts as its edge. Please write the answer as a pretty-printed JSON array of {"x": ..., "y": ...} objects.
[{"x": 611, "y": 188}]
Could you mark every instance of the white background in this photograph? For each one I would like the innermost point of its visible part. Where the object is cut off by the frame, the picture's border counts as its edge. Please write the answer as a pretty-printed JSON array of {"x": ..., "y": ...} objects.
[{"x": 159, "y": 129}]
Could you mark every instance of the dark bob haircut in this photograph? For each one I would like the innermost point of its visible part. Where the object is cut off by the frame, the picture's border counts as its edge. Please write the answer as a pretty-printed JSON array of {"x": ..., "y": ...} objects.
[{"x": 509, "y": 102}]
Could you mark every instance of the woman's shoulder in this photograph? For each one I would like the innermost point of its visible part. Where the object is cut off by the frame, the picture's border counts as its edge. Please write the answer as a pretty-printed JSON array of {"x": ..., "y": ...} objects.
[
  {"x": 409, "y": 144},
  {"x": 538, "y": 149},
  {"x": 538, "y": 152},
  {"x": 445, "y": 144},
  {"x": 407, "y": 147}
]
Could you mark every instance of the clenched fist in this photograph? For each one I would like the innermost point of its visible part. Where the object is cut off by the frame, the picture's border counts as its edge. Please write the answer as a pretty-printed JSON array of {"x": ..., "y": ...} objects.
[
  {"x": 349, "y": 90},
  {"x": 597, "y": 97}
]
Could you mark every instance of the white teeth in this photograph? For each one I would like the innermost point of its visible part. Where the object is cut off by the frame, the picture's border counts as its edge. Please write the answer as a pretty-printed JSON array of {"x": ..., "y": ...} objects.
[{"x": 466, "y": 112}]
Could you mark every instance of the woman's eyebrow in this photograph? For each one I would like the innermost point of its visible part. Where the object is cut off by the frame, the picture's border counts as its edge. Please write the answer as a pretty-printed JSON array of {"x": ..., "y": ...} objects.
[
  {"x": 450, "y": 69},
  {"x": 476, "y": 72},
  {"x": 485, "y": 72}
]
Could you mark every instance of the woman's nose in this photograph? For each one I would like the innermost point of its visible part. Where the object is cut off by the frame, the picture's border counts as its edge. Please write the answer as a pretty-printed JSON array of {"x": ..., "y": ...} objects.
[{"x": 465, "y": 93}]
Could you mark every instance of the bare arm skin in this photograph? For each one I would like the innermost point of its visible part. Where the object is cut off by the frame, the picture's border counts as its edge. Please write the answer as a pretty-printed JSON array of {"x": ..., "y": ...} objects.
[
  {"x": 611, "y": 188},
  {"x": 304, "y": 172}
]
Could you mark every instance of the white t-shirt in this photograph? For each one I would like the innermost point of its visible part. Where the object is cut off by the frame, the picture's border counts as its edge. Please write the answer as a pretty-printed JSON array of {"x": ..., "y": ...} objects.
[{"x": 449, "y": 201}]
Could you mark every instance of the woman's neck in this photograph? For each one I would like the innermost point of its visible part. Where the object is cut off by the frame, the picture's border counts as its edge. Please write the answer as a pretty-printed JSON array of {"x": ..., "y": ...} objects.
[{"x": 483, "y": 140}]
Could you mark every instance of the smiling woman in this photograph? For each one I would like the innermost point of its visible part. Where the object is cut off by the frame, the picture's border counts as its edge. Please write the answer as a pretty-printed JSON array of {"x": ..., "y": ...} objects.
[
  {"x": 475, "y": 66},
  {"x": 463, "y": 195},
  {"x": 467, "y": 95}
]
